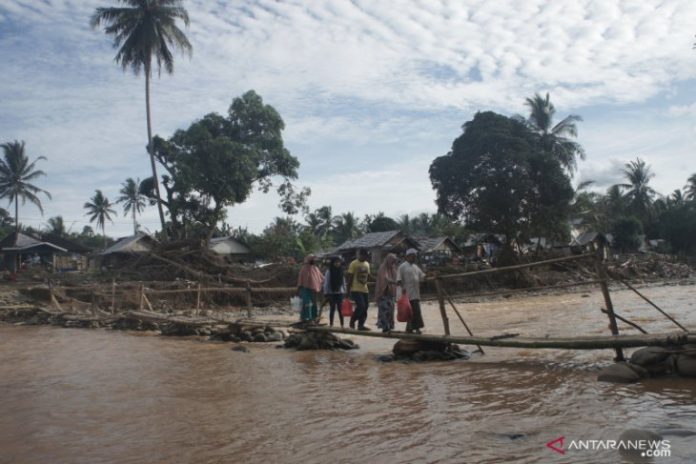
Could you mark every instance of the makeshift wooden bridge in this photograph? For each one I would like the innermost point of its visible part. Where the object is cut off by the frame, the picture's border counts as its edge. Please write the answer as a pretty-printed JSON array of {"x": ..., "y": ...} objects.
[{"x": 613, "y": 340}]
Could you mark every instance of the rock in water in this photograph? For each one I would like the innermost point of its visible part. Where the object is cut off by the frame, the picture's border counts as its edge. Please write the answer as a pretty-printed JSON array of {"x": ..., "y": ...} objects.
[
  {"x": 618, "y": 373},
  {"x": 686, "y": 365},
  {"x": 240, "y": 348},
  {"x": 634, "y": 436},
  {"x": 260, "y": 337},
  {"x": 649, "y": 356}
]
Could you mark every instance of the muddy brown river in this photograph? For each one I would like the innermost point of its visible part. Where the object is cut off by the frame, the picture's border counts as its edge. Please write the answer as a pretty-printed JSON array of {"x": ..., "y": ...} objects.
[{"x": 98, "y": 396}]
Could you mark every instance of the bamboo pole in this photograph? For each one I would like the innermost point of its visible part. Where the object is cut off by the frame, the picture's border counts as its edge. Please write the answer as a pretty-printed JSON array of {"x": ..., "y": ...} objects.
[
  {"x": 141, "y": 298},
  {"x": 519, "y": 290},
  {"x": 516, "y": 267},
  {"x": 568, "y": 343},
  {"x": 52, "y": 295},
  {"x": 198, "y": 298},
  {"x": 622, "y": 319},
  {"x": 113, "y": 296},
  {"x": 443, "y": 310},
  {"x": 466, "y": 326},
  {"x": 602, "y": 274},
  {"x": 248, "y": 298},
  {"x": 147, "y": 301},
  {"x": 653, "y": 304}
]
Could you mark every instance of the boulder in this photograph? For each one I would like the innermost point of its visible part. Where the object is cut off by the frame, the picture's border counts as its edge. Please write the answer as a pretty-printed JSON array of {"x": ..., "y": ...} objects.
[
  {"x": 618, "y": 373},
  {"x": 260, "y": 337},
  {"x": 274, "y": 337},
  {"x": 240, "y": 348},
  {"x": 686, "y": 365},
  {"x": 637, "y": 435},
  {"x": 650, "y": 356}
]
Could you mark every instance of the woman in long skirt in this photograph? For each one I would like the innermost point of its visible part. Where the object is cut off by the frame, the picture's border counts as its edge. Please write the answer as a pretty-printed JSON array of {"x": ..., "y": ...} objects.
[
  {"x": 335, "y": 288},
  {"x": 385, "y": 292},
  {"x": 309, "y": 283}
]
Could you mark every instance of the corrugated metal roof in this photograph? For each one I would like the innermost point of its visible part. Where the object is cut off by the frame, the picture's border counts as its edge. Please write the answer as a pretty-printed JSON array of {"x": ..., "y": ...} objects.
[
  {"x": 430, "y": 243},
  {"x": 138, "y": 243},
  {"x": 370, "y": 240},
  {"x": 25, "y": 242},
  {"x": 228, "y": 246}
]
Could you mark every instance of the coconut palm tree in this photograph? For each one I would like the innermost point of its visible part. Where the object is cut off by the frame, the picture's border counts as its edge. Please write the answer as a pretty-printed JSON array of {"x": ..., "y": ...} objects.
[
  {"x": 56, "y": 226},
  {"x": 16, "y": 174},
  {"x": 637, "y": 190},
  {"x": 133, "y": 201},
  {"x": 99, "y": 209},
  {"x": 555, "y": 139},
  {"x": 144, "y": 30},
  {"x": 346, "y": 227},
  {"x": 690, "y": 188}
]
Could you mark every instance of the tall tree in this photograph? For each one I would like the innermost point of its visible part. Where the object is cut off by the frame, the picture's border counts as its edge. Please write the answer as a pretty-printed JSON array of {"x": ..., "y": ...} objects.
[
  {"x": 16, "y": 174},
  {"x": 637, "y": 190},
  {"x": 218, "y": 160},
  {"x": 143, "y": 30},
  {"x": 495, "y": 179},
  {"x": 345, "y": 227},
  {"x": 690, "y": 188},
  {"x": 133, "y": 200},
  {"x": 99, "y": 209},
  {"x": 56, "y": 226},
  {"x": 555, "y": 139}
]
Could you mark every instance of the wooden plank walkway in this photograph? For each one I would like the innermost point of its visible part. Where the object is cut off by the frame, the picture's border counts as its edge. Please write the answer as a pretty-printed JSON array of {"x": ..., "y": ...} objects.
[{"x": 568, "y": 343}]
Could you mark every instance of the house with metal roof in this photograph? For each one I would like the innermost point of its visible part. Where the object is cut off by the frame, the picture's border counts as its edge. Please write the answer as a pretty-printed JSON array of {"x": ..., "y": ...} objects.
[
  {"x": 378, "y": 244},
  {"x": 126, "y": 248},
  {"x": 51, "y": 252},
  {"x": 229, "y": 247}
]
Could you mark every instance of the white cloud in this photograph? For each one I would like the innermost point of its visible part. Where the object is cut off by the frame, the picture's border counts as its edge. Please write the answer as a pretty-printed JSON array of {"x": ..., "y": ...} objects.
[{"x": 389, "y": 83}]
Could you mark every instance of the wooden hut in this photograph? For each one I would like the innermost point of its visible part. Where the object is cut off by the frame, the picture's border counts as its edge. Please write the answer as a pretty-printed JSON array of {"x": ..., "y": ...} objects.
[{"x": 378, "y": 244}]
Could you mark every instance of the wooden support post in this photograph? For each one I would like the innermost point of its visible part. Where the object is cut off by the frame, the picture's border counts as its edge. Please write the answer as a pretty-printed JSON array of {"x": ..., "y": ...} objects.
[
  {"x": 52, "y": 296},
  {"x": 443, "y": 311},
  {"x": 147, "y": 302},
  {"x": 456, "y": 311},
  {"x": 623, "y": 319},
  {"x": 248, "y": 298},
  {"x": 113, "y": 296},
  {"x": 198, "y": 299},
  {"x": 603, "y": 278},
  {"x": 141, "y": 297},
  {"x": 653, "y": 305}
]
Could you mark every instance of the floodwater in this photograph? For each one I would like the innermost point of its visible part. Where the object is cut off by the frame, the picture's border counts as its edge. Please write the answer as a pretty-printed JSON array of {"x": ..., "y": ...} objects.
[{"x": 96, "y": 396}]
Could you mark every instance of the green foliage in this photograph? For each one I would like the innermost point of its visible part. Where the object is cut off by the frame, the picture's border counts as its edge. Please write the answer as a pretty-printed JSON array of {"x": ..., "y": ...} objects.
[
  {"x": 283, "y": 238},
  {"x": 554, "y": 140},
  {"x": 626, "y": 232},
  {"x": 216, "y": 162},
  {"x": 496, "y": 179},
  {"x": 678, "y": 227},
  {"x": 99, "y": 209},
  {"x": 56, "y": 226},
  {"x": 133, "y": 199},
  {"x": 380, "y": 223},
  {"x": 16, "y": 175}
]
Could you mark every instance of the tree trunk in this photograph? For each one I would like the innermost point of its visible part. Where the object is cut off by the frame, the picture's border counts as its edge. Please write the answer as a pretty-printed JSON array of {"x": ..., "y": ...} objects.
[
  {"x": 151, "y": 149},
  {"x": 104, "y": 235},
  {"x": 16, "y": 218},
  {"x": 135, "y": 223}
]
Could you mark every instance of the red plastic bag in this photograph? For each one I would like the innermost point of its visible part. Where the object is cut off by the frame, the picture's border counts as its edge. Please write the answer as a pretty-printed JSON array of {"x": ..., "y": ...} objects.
[
  {"x": 404, "y": 312},
  {"x": 346, "y": 308}
]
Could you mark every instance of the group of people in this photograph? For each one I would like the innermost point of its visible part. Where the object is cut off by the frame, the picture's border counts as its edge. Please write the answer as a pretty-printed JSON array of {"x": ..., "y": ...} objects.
[{"x": 338, "y": 283}]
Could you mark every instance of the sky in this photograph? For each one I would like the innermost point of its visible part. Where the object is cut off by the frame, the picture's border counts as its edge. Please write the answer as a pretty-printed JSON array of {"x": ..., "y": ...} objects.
[{"x": 370, "y": 92}]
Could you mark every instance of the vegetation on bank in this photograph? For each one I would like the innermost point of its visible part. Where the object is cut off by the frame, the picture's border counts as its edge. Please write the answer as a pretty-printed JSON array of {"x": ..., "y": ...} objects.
[{"x": 505, "y": 175}]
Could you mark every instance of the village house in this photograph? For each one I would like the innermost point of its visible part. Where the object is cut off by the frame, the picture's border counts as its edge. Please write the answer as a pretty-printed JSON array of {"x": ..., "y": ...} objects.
[
  {"x": 125, "y": 249},
  {"x": 438, "y": 249},
  {"x": 378, "y": 244},
  {"x": 230, "y": 248},
  {"x": 50, "y": 252}
]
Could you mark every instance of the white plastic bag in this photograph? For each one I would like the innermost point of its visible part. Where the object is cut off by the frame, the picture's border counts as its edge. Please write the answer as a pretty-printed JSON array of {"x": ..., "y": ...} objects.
[{"x": 296, "y": 304}]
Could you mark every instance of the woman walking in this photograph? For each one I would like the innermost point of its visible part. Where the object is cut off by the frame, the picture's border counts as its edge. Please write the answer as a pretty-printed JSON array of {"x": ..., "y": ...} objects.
[
  {"x": 335, "y": 288},
  {"x": 385, "y": 292},
  {"x": 309, "y": 283}
]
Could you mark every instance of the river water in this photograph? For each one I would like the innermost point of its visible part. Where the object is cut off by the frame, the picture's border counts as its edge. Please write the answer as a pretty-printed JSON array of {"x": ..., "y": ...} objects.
[{"x": 96, "y": 396}]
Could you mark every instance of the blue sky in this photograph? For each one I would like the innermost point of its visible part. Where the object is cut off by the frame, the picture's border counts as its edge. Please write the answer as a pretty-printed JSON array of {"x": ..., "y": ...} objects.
[{"x": 371, "y": 92}]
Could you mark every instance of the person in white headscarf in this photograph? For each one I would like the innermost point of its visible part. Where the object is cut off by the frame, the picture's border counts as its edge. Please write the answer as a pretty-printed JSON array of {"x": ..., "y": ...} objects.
[{"x": 409, "y": 276}]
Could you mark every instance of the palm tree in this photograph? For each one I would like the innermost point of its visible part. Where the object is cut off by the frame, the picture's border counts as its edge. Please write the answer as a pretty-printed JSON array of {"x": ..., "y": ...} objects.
[
  {"x": 16, "y": 172},
  {"x": 133, "y": 201},
  {"x": 143, "y": 30},
  {"x": 99, "y": 209},
  {"x": 555, "y": 139},
  {"x": 638, "y": 192},
  {"x": 690, "y": 188},
  {"x": 56, "y": 226},
  {"x": 346, "y": 227}
]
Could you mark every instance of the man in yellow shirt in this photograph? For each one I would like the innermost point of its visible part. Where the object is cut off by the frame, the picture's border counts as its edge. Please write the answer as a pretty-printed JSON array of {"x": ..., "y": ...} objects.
[{"x": 356, "y": 282}]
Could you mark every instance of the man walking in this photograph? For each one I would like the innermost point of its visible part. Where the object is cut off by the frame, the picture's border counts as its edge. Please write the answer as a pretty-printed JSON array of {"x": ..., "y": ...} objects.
[
  {"x": 356, "y": 281},
  {"x": 409, "y": 276}
]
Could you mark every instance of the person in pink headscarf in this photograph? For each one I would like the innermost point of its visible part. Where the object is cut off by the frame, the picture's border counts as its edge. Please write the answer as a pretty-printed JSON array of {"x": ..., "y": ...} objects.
[{"x": 309, "y": 283}]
